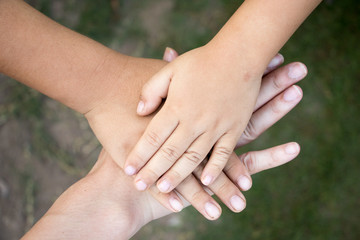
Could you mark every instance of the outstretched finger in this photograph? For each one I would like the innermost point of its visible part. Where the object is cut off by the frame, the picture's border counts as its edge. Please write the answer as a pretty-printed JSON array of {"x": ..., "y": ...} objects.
[
  {"x": 278, "y": 80},
  {"x": 270, "y": 113},
  {"x": 258, "y": 161}
]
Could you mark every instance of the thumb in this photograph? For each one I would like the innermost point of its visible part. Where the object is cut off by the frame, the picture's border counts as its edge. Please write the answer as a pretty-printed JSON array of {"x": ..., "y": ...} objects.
[{"x": 154, "y": 91}]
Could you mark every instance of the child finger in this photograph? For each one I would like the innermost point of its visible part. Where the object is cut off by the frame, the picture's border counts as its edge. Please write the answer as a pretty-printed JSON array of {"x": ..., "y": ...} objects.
[
  {"x": 278, "y": 80},
  {"x": 219, "y": 157},
  {"x": 165, "y": 157},
  {"x": 158, "y": 130},
  {"x": 186, "y": 164},
  {"x": 270, "y": 113},
  {"x": 154, "y": 91}
]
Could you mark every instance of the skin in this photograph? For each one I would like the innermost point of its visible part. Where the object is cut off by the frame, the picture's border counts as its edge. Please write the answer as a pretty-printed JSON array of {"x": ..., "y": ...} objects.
[
  {"x": 104, "y": 85},
  {"x": 199, "y": 115},
  {"x": 96, "y": 207},
  {"x": 104, "y": 204}
]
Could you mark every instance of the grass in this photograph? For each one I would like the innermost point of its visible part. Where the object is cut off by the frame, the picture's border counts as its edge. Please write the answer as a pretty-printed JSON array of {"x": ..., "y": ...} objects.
[{"x": 314, "y": 197}]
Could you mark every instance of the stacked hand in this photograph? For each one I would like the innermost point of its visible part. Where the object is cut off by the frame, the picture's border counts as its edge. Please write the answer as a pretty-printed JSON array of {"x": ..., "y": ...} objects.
[
  {"x": 205, "y": 111},
  {"x": 114, "y": 124},
  {"x": 105, "y": 201}
]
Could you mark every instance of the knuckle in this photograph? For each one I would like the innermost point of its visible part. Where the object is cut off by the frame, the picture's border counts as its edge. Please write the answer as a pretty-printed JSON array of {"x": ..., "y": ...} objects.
[
  {"x": 250, "y": 131},
  {"x": 136, "y": 159},
  {"x": 216, "y": 167},
  {"x": 188, "y": 181},
  {"x": 231, "y": 165},
  {"x": 170, "y": 153},
  {"x": 197, "y": 196},
  {"x": 193, "y": 157},
  {"x": 224, "y": 189},
  {"x": 149, "y": 175},
  {"x": 173, "y": 109},
  {"x": 274, "y": 158},
  {"x": 275, "y": 107},
  {"x": 153, "y": 139},
  {"x": 174, "y": 176},
  {"x": 250, "y": 162},
  {"x": 222, "y": 152},
  {"x": 275, "y": 79},
  {"x": 200, "y": 168}
]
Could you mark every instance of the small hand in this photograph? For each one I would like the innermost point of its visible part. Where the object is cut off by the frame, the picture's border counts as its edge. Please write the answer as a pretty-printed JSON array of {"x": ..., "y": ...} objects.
[
  {"x": 199, "y": 115},
  {"x": 169, "y": 151}
]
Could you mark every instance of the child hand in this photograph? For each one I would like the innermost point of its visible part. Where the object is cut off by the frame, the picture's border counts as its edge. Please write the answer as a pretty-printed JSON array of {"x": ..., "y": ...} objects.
[{"x": 199, "y": 115}]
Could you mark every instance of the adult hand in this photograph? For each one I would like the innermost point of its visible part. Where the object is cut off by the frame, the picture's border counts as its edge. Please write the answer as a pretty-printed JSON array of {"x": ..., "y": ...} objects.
[{"x": 104, "y": 204}]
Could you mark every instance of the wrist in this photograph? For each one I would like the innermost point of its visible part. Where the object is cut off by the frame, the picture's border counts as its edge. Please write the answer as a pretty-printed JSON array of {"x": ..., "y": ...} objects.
[{"x": 247, "y": 65}]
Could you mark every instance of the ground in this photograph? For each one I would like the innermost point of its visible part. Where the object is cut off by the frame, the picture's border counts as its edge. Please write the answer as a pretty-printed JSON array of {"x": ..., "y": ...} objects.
[{"x": 45, "y": 147}]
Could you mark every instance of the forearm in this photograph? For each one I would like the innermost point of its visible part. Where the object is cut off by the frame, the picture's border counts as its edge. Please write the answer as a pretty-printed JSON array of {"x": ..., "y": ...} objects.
[
  {"x": 259, "y": 28},
  {"x": 54, "y": 60}
]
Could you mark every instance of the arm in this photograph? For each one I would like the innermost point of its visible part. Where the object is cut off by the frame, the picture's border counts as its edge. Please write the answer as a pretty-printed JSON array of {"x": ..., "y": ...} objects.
[
  {"x": 104, "y": 203},
  {"x": 43, "y": 54},
  {"x": 106, "y": 94},
  {"x": 262, "y": 27},
  {"x": 96, "y": 206}
]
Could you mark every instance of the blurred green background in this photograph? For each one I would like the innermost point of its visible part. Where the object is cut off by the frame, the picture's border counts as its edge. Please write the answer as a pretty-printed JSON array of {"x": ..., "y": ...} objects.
[{"x": 317, "y": 196}]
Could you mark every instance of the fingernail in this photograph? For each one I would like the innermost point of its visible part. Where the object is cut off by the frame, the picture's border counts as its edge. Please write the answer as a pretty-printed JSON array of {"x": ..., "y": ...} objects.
[
  {"x": 297, "y": 71},
  {"x": 212, "y": 210},
  {"x": 130, "y": 170},
  {"x": 292, "y": 148},
  {"x": 237, "y": 203},
  {"x": 140, "y": 107},
  {"x": 168, "y": 56},
  {"x": 207, "y": 180},
  {"x": 292, "y": 93},
  {"x": 164, "y": 186},
  {"x": 140, "y": 185},
  {"x": 175, "y": 204},
  {"x": 276, "y": 61},
  {"x": 244, "y": 183}
]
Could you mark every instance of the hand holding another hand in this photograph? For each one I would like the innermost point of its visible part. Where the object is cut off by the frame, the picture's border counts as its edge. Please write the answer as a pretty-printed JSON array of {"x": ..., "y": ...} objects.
[
  {"x": 118, "y": 128},
  {"x": 191, "y": 133}
]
